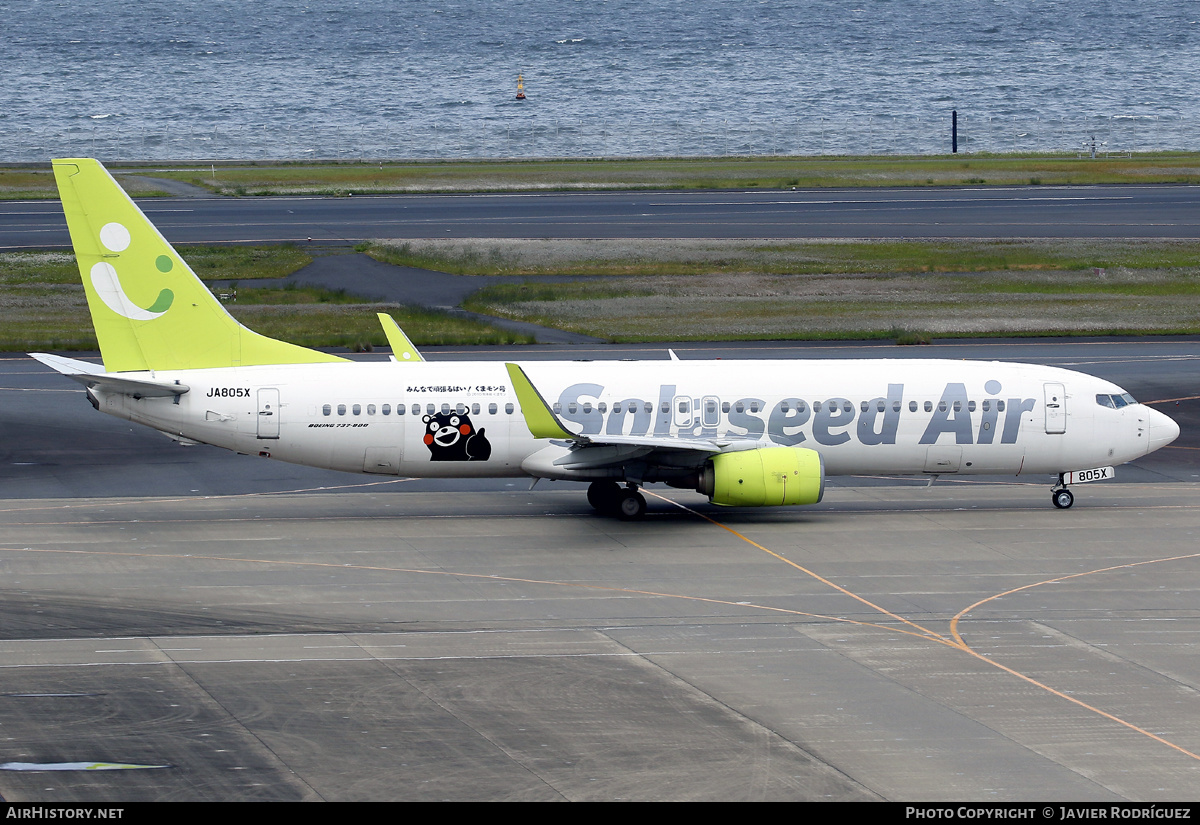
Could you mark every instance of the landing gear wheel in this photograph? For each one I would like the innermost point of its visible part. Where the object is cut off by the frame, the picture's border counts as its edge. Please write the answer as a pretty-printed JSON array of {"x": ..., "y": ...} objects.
[
  {"x": 631, "y": 506},
  {"x": 604, "y": 495},
  {"x": 1062, "y": 499}
]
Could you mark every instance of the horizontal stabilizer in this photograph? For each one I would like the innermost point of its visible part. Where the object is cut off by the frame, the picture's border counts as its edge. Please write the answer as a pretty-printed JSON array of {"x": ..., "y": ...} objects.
[{"x": 93, "y": 376}]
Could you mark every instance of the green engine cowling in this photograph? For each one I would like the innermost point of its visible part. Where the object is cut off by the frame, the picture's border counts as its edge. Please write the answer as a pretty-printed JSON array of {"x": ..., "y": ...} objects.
[{"x": 770, "y": 476}]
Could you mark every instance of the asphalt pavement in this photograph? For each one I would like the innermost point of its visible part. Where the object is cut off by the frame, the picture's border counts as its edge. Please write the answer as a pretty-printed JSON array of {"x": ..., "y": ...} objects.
[{"x": 995, "y": 212}]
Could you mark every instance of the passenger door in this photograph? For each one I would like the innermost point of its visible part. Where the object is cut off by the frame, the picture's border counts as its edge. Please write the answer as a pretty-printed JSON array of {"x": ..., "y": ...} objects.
[
  {"x": 268, "y": 413},
  {"x": 1056, "y": 408}
]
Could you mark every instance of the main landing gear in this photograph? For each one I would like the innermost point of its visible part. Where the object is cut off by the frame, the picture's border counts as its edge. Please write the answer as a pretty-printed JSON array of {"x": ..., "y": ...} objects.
[
  {"x": 1060, "y": 496},
  {"x": 610, "y": 499}
]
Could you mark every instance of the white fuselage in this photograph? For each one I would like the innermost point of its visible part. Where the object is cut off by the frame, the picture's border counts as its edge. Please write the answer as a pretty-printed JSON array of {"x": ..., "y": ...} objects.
[{"x": 460, "y": 419}]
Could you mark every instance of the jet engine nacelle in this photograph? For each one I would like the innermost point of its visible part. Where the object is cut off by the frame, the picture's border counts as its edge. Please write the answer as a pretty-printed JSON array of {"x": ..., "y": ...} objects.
[{"x": 767, "y": 477}]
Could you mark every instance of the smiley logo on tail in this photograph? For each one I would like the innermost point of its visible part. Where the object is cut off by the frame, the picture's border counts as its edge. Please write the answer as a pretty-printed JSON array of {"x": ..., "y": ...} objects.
[{"x": 107, "y": 283}]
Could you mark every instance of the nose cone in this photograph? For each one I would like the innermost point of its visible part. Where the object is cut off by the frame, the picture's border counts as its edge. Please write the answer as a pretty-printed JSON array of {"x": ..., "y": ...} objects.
[{"x": 1163, "y": 430}]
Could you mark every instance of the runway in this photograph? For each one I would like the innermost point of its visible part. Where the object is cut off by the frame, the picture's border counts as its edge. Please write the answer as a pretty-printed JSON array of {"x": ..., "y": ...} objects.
[
  {"x": 244, "y": 629},
  {"x": 959, "y": 212}
]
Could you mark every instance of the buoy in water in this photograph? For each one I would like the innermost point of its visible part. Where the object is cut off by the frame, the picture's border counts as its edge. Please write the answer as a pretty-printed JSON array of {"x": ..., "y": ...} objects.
[{"x": 520, "y": 87}]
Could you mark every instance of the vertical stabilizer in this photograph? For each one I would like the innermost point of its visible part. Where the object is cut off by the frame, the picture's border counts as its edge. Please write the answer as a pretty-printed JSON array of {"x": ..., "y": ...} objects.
[{"x": 150, "y": 310}]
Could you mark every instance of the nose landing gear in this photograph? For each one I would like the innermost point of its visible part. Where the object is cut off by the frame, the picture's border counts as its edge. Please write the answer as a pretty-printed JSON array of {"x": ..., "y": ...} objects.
[{"x": 1061, "y": 497}]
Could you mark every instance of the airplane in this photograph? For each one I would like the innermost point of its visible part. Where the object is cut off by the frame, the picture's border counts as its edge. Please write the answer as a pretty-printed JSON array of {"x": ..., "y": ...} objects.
[{"x": 743, "y": 433}]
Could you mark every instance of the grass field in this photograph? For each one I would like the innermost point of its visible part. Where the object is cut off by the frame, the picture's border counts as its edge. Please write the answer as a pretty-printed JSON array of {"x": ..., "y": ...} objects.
[
  {"x": 671, "y": 173},
  {"x": 748, "y": 307},
  {"x": 43, "y": 306},
  {"x": 664, "y": 290},
  {"x": 660, "y": 256}
]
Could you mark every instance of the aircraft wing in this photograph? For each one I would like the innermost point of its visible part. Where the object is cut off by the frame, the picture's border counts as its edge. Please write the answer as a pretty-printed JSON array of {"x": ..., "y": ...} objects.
[
  {"x": 92, "y": 376},
  {"x": 574, "y": 452}
]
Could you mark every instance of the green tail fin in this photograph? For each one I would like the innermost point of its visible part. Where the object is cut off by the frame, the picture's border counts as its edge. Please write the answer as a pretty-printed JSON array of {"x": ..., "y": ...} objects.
[{"x": 150, "y": 310}]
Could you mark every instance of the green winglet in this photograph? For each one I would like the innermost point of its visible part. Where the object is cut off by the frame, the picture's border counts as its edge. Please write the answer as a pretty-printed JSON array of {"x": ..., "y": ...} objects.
[
  {"x": 402, "y": 348},
  {"x": 539, "y": 418}
]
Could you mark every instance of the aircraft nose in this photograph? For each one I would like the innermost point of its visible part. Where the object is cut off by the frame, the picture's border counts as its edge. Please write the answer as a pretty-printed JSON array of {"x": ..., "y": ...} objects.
[{"x": 1163, "y": 430}]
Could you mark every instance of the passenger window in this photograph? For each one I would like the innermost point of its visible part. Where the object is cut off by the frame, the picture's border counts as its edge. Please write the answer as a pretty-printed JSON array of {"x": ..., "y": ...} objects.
[
  {"x": 1000, "y": 405},
  {"x": 958, "y": 406},
  {"x": 912, "y": 406},
  {"x": 970, "y": 406},
  {"x": 429, "y": 409},
  {"x": 357, "y": 409},
  {"x": 326, "y": 410},
  {"x": 370, "y": 409},
  {"x": 648, "y": 407},
  {"x": 740, "y": 407},
  {"x": 602, "y": 407},
  {"x": 928, "y": 406},
  {"x": 725, "y": 406},
  {"x": 474, "y": 409},
  {"x": 492, "y": 409},
  {"x": 862, "y": 407},
  {"x": 508, "y": 408},
  {"x": 557, "y": 408},
  {"x": 341, "y": 409},
  {"x": 461, "y": 409},
  {"x": 617, "y": 408},
  {"x": 445, "y": 409},
  {"x": 387, "y": 409},
  {"x": 987, "y": 404}
]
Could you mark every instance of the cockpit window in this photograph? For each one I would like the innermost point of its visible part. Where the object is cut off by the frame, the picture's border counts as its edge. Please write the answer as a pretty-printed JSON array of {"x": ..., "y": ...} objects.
[{"x": 1115, "y": 402}]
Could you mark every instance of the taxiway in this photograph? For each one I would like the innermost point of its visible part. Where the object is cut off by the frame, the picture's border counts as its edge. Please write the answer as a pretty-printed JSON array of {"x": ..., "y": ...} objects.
[{"x": 247, "y": 630}]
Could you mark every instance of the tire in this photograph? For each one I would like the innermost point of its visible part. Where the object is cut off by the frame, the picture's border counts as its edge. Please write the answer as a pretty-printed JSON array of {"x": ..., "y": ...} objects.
[
  {"x": 1063, "y": 499},
  {"x": 631, "y": 506},
  {"x": 604, "y": 495}
]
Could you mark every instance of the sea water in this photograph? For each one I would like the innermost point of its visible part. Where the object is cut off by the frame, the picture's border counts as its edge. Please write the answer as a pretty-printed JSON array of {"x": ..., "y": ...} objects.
[{"x": 190, "y": 79}]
